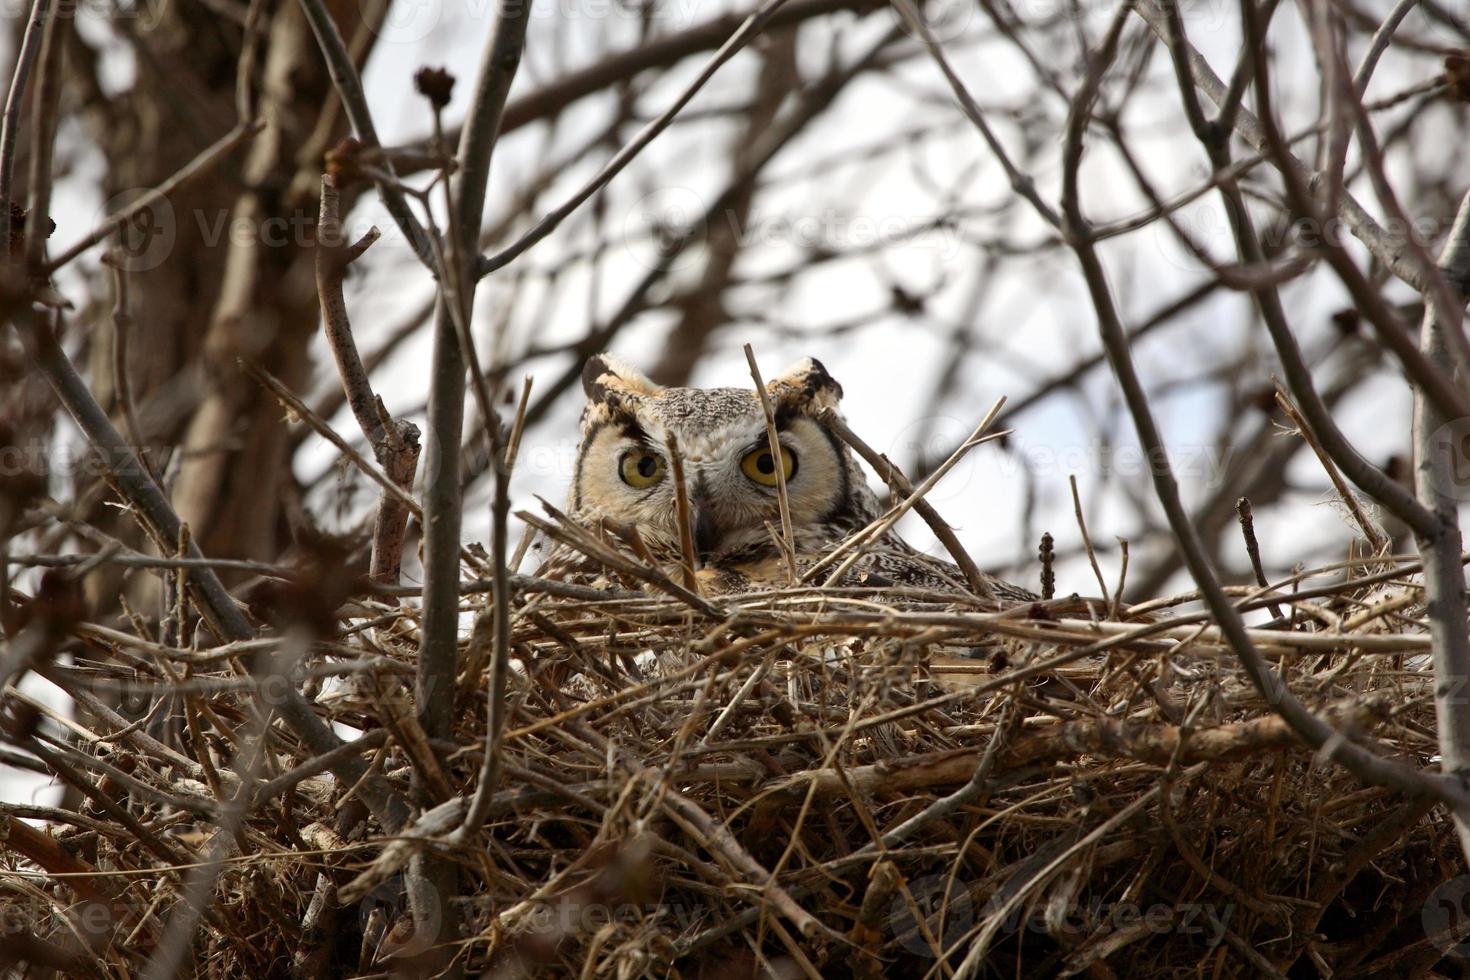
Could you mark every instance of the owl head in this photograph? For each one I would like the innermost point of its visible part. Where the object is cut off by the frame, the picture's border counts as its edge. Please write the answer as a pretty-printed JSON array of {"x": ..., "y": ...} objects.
[{"x": 623, "y": 472}]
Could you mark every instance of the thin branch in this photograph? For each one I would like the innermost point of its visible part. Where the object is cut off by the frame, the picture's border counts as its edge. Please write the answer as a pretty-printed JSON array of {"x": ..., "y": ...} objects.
[
  {"x": 1249, "y": 128},
  {"x": 1087, "y": 539},
  {"x": 1374, "y": 534},
  {"x": 289, "y": 399},
  {"x": 893, "y": 477},
  {"x": 773, "y": 445},
  {"x": 856, "y": 543},
  {"x": 1020, "y": 183},
  {"x": 122, "y": 326},
  {"x": 1369, "y": 478},
  {"x": 681, "y": 505},
  {"x": 1379, "y": 44},
  {"x": 497, "y": 711},
  {"x": 45, "y": 117},
  {"x": 198, "y": 167},
  {"x": 25, "y": 59},
  {"x": 748, "y": 31},
  {"x": 1253, "y": 548},
  {"x": 349, "y": 88},
  {"x": 395, "y": 442}
]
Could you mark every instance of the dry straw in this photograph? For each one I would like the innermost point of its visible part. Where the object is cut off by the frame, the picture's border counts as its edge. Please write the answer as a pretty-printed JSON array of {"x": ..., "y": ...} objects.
[{"x": 825, "y": 780}]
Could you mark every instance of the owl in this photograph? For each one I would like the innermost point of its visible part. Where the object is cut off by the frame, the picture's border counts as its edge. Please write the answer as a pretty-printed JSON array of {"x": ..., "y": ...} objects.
[{"x": 624, "y": 478}]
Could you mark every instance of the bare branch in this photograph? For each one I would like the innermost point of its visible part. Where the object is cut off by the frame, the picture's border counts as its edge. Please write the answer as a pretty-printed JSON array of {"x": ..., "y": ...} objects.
[
  {"x": 748, "y": 31},
  {"x": 349, "y": 89}
]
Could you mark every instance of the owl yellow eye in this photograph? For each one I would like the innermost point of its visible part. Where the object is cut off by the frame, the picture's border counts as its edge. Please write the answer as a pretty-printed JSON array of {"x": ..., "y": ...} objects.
[
  {"x": 641, "y": 469},
  {"x": 760, "y": 467}
]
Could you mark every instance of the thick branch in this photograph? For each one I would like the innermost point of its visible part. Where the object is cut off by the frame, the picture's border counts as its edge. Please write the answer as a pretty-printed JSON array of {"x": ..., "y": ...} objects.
[
  {"x": 1439, "y": 449},
  {"x": 395, "y": 443}
]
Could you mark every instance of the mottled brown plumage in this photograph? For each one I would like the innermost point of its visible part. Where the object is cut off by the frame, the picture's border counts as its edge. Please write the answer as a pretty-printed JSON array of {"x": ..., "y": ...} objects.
[{"x": 623, "y": 478}]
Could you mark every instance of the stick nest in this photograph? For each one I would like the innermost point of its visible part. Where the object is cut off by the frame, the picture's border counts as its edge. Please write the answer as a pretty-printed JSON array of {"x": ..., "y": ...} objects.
[{"x": 820, "y": 782}]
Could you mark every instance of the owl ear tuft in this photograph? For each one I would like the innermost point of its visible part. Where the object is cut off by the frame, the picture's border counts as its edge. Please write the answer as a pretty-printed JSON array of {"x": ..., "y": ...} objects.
[
  {"x": 606, "y": 377},
  {"x": 806, "y": 383}
]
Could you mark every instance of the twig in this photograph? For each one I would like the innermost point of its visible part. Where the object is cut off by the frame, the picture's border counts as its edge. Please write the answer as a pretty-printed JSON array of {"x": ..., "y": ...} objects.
[
  {"x": 25, "y": 58},
  {"x": 773, "y": 445},
  {"x": 349, "y": 89},
  {"x": 1252, "y": 548},
  {"x": 1379, "y": 44},
  {"x": 975, "y": 954},
  {"x": 299, "y": 408},
  {"x": 748, "y": 31},
  {"x": 196, "y": 895},
  {"x": 567, "y": 532},
  {"x": 1020, "y": 183},
  {"x": 1115, "y": 608},
  {"x": 945, "y": 806},
  {"x": 1087, "y": 539},
  {"x": 45, "y": 117},
  {"x": 497, "y": 711},
  {"x": 1372, "y": 480},
  {"x": 201, "y": 165},
  {"x": 390, "y": 527},
  {"x": 127, "y": 474},
  {"x": 856, "y": 542},
  {"x": 891, "y": 475},
  {"x": 681, "y": 505},
  {"x": 1377, "y": 540},
  {"x": 395, "y": 442},
  {"x": 333, "y": 257},
  {"x": 122, "y": 324},
  {"x": 1249, "y": 128}
]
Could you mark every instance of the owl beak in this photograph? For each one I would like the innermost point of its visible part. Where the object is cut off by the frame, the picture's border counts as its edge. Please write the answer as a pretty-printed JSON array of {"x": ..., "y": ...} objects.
[{"x": 706, "y": 532}]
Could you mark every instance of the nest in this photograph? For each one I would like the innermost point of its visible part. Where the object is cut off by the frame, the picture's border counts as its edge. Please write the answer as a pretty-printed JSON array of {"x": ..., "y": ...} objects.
[{"x": 806, "y": 782}]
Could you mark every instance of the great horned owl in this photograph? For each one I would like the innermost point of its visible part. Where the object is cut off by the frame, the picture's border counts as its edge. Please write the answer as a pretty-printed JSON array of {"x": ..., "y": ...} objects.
[{"x": 623, "y": 476}]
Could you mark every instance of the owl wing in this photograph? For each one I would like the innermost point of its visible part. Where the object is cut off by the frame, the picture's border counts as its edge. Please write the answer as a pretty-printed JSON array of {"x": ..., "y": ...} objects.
[{"x": 893, "y": 562}]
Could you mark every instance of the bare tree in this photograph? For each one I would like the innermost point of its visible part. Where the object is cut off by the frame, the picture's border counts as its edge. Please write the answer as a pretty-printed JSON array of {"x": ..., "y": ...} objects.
[{"x": 1228, "y": 242}]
